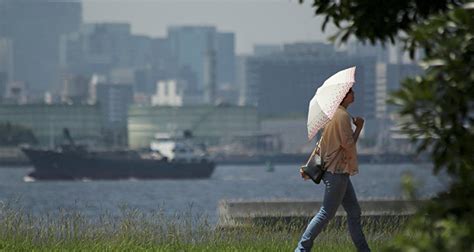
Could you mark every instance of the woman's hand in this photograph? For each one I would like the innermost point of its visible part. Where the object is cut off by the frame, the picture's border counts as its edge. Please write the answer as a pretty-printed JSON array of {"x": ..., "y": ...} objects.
[
  {"x": 358, "y": 122},
  {"x": 303, "y": 175}
]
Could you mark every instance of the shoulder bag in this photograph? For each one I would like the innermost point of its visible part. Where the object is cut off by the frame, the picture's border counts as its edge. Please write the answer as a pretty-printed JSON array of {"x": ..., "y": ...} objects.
[{"x": 314, "y": 167}]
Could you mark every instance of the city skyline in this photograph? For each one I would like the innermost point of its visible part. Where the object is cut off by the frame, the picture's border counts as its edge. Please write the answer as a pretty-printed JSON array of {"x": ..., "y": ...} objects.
[
  {"x": 283, "y": 21},
  {"x": 109, "y": 63}
]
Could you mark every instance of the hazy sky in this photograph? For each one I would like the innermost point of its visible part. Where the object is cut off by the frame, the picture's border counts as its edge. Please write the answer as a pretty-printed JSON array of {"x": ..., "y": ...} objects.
[{"x": 253, "y": 21}]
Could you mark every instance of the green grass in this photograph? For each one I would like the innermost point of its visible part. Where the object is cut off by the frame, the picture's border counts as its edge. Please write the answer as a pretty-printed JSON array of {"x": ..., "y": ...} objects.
[{"x": 154, "y": 231}]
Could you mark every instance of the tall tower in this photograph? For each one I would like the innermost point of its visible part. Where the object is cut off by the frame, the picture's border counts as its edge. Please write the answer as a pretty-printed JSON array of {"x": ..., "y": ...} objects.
[
  {"x": 210, "y": 74},
  {"x": 34, "y": 28}
]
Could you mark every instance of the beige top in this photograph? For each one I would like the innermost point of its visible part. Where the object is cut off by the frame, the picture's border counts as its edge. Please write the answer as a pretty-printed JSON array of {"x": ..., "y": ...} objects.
[{"x": 338, "y": 147}]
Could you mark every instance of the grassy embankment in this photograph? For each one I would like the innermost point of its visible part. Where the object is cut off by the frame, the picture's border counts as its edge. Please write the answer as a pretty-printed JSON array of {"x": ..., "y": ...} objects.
[{"x": 136, "y": 231}]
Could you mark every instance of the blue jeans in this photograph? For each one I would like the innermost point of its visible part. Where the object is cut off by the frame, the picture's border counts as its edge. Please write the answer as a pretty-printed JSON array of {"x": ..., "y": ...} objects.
[{"x": 338, "y": 190}]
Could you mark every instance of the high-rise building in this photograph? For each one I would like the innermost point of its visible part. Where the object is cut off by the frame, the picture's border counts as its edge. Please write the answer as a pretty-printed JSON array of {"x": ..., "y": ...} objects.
[
  {"x": 76, "y": 90},
  {"x": 226, "y": 59},
  {"x": 34, "y": 28},
  {"x": 141, "y": 48},
  {"x": 284, "y": 83},
  {"x": 264, "y": 50},
  {"x": 240, "y": 79},
  {"x": 204, "y": 55},
  {"x": 162, "y": 56},
  {"x": 357, "y": 48},
  {"x": 209, "y": 76},
  {"x": 6, "y": 65},
  {"x": 114, "y": 100},
  {"x": 193, "y": 47},
  {"x": 3, "y": 85},
  {"x": 226, "y": 86},
  {"x": 97, "y": 48},
  {"x": 109, "y": 49},
  {"x": 6, "y": 58}
]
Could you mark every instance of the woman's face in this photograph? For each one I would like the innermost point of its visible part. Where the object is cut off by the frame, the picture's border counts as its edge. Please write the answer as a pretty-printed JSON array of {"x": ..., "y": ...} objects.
[{"x": 350, "y": 97}]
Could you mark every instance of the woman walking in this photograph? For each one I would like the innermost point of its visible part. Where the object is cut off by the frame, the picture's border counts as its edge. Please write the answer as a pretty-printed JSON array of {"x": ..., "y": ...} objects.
[{"x": 338, "y": 150}]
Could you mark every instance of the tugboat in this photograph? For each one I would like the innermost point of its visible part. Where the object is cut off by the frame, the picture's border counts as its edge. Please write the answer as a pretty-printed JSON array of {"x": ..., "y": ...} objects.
[{"x": 168, "y": 158}]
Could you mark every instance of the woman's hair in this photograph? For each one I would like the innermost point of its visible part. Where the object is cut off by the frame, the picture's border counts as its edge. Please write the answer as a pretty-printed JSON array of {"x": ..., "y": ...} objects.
[{"x": 348, "y": 92}]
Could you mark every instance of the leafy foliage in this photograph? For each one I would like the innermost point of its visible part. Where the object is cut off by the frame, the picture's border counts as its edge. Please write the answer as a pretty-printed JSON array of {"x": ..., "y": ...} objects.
[
  {"x": 444, "y": 224},
  {"x": 377, "y": 20},
  {"x": 438, "y": 107}
]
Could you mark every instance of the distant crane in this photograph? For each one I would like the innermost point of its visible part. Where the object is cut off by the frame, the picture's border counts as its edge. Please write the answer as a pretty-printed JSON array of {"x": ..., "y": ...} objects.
[{"x": 204, "y": 117}]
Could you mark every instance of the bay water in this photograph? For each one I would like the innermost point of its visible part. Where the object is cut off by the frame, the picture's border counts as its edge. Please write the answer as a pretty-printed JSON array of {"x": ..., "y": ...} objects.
[{"x": 228, "y": 182}]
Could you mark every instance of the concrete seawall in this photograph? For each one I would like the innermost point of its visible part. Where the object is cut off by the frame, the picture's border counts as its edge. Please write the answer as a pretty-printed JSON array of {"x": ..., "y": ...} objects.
[{"x": 233, "y": 213}]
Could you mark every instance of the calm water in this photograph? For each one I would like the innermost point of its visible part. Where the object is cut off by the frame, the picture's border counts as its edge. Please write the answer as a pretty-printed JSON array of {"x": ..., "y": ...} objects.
[{"x": 202, "y": 196}]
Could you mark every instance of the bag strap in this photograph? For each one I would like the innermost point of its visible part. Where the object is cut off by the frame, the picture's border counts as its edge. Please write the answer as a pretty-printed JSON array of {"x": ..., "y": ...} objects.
[
  {"x": 318, "y": 148},
  {"x": 318, "y": 144}
]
